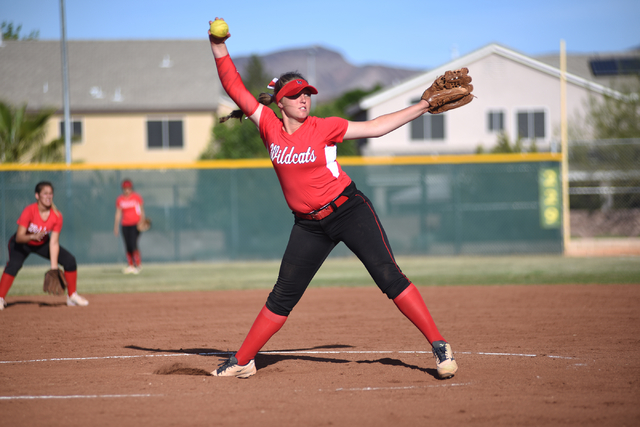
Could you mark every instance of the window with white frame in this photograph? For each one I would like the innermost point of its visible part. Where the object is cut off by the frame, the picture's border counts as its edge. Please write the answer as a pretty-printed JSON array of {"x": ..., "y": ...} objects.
[
  {"x": 76, "y": 130},
  {"x": 428, "y": 127},
  {"x": 495, "y": 121},
  {"x": 164, "y": 133},
  {"x": 531, "y": 124}
]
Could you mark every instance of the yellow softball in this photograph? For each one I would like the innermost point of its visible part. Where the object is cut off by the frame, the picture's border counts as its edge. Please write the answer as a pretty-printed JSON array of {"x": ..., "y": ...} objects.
[{"x": 219, "y": 28}]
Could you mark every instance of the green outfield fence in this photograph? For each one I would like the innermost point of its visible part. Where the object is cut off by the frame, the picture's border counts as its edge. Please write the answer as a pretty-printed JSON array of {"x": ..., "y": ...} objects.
[{"x": 235, "y": 210}]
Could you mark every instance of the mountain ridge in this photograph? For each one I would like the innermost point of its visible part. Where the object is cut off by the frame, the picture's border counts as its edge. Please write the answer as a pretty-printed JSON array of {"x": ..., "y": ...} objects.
[{"x": 328, "y": 70}]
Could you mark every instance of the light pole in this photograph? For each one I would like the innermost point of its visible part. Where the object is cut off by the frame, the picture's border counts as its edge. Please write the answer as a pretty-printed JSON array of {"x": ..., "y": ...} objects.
[{"x": 65, "y": 88}]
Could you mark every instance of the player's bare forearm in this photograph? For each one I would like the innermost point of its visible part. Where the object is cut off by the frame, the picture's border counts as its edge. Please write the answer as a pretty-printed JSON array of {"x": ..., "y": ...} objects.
[
  {"x": 54, "y": 250},
  {"x": 218, "y": 49},
  {"x": 23, "y": 237},
  {"x": 116, "y": 223},
  {"x": 386, "y": 123},
  {"x": 54, "y": 257}
]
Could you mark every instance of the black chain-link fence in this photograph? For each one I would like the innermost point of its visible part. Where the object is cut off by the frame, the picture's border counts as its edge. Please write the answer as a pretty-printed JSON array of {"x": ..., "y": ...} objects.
[{"x": 604, "y": 188}]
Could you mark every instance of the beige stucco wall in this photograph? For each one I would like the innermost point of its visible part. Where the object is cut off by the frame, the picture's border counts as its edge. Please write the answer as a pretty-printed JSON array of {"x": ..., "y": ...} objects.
[{"x": 122, "y": 138}]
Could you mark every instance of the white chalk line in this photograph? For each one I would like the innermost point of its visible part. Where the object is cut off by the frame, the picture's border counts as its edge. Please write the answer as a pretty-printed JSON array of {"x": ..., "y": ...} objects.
[
  {"x": 127, "y": 396},
  {"x": 66, "y": 359},
  {"x": 356, "y": 389},
  {"x": 413, "y": 387},
  {"x": 79, "y": 396}
]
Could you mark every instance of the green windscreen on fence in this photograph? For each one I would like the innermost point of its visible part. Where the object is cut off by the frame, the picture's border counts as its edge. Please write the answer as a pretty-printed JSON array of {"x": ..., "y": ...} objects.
[{"x": 217, "y": 214}]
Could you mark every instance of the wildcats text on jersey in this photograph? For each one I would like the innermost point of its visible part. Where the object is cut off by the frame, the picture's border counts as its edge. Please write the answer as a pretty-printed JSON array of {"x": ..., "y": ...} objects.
[
  {"x": 35, "y": 229},
  {"x": 288, "y": 156}
]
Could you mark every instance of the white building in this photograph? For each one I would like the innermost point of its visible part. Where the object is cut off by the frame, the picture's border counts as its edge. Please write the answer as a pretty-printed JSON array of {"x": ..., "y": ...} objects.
[{"x": 515, "y": 94}]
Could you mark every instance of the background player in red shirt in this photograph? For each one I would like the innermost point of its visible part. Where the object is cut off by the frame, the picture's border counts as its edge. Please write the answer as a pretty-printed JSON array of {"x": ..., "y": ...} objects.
[
  {"x": 328, "y": 207},
  {"x": 130, "y": 213},
  {"x": 38, "y": 232}
]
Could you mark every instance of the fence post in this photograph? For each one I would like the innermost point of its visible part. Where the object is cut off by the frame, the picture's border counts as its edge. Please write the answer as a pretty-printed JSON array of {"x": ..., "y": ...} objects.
[
  {"x": 176, "y": 224},
  {"x": 3, "y": 198},
  {"x": 457, "y": 211},
  {"x": 566, "y": 227},
  {"x": 424, "y": 209},
  {"x": 235, "y": 226}
]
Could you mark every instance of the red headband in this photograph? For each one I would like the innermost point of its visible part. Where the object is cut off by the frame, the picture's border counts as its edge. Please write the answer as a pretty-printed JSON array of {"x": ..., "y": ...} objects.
[{"x": 294, "y": 87}]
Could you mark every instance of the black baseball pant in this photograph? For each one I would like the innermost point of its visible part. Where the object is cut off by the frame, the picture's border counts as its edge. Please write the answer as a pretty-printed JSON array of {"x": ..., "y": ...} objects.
[
  {"x": 357, "y": 225},
  {"x": 130, "y": 235},
  {"x": 18, "y": 253}
]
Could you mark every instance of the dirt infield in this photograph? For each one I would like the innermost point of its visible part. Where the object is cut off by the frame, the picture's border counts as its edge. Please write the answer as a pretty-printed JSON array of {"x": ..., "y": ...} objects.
[{"x": 528, "y": 355}]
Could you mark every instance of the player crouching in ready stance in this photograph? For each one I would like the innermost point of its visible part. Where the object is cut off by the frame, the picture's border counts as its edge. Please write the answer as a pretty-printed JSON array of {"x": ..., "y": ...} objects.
[
  {"x": 328, "y": 207},
  {"x": 39, "y": 228}
]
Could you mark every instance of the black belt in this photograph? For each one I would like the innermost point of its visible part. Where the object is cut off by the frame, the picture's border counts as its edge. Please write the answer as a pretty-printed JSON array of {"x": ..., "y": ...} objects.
[{"x": 329, "y": 208}]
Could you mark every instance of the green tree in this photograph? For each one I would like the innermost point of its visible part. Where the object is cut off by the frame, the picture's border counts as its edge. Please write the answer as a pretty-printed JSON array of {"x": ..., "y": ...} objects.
[
  {"x": 504, "y": 145},
  {"x": 22, "y": 136},
  {"x": 255, "y": 77},
  {"x": 615, "y": 123},
  {"x": 236, "y": 139},
  {"x": 340, "y": 107},
  {"x": 9, "y": 33},
  {"x": 617, "y": 117},
  {"x": 239, "y": 140}
]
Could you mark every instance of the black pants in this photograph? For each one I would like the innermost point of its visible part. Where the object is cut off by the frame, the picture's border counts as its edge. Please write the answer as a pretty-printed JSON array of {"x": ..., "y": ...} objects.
[
  {"x": 130, "y": 235},
  {"x": 357, "y": 225},
  {"x": 18, "y": 253}
]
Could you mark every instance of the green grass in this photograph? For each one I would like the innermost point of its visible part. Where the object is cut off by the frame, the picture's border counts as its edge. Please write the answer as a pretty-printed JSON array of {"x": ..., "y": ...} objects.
[{"x": 423, "y": 271}]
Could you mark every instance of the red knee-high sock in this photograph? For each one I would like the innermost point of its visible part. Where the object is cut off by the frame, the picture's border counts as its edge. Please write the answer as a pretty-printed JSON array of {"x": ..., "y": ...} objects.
[
  {"x": 136, "y": 258},
  {"x": 5, "y": 284},
  {"x": 411, "y": 304},
  {"x": 72, "y": 278},
  {"x": 129, "y": 259},
  {"x": 264, "y": 327}
]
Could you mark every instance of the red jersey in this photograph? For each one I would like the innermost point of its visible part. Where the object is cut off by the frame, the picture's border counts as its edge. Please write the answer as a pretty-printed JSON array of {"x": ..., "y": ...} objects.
[
  {"x": 130, "y": 206},
  {"x": 305, "y": 162},
  {"x": 32, "y": 221}
]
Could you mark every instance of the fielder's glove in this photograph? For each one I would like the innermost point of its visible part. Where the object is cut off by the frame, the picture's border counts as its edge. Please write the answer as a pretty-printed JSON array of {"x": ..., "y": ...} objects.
[
  {"x": 54, "y": 283},
  {"x": 449, "y": 91},
  {"x": 144, "y": 225}
]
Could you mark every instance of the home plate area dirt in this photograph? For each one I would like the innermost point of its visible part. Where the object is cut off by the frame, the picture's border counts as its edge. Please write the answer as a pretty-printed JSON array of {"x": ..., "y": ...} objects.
[{"x": 528, "y": 355}]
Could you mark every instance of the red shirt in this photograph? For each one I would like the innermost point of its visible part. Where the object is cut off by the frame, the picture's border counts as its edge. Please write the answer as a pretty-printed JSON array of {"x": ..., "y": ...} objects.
[
  {"x": 32, "y": 221},
  {"x": 305, "y": 162},
  {"x": 130, "y": 208}
]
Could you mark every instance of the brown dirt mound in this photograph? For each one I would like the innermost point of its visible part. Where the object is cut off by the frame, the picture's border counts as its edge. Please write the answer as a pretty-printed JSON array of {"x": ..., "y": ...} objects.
[{"x": 181, "y": 369}]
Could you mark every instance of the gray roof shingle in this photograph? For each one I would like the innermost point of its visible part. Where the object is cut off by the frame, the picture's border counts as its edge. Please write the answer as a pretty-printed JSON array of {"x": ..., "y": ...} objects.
[{"x": 111, "y": 76}]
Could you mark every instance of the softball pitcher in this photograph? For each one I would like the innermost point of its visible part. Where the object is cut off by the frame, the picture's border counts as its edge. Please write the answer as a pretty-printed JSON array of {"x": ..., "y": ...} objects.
[
  {"x": 327, "y": 207},
  {"x": 39, "y": 228}
]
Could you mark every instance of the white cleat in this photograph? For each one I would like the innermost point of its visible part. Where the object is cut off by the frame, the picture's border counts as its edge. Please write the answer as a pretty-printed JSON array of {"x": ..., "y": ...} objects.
[
  {"x": 76, "y": 299},
  {"x": 445, "y": 363},
  {"x": 230, "y": 368},
  {"x": 130, "y": 269}
]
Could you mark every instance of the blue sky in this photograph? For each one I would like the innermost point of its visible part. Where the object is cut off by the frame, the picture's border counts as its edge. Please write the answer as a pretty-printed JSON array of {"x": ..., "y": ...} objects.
[{"x": 401, "y": 33}]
